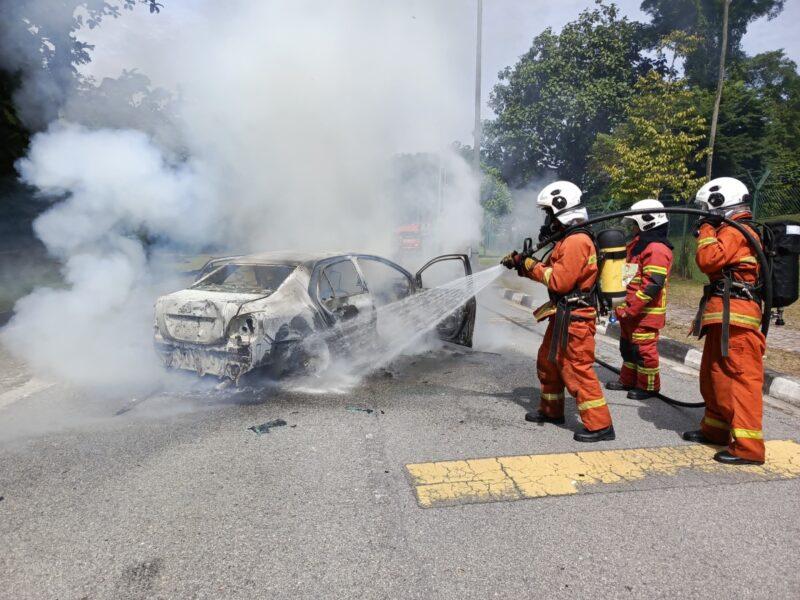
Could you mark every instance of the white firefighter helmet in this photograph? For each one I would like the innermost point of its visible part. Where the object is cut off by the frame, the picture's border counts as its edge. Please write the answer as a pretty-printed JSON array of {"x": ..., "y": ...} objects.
[
  {"x": 647, "y": 221},
  {"x": 722, "y": 194},
  {"x": 563, "y": 200}
]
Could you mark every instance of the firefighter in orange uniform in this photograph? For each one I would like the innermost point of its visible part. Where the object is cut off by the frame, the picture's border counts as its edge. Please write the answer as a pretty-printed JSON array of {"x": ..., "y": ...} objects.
[
  {"x": 566, "y": 356},
  {"x": 643, "y": 313},
  {"x": 731, "y": 370}
]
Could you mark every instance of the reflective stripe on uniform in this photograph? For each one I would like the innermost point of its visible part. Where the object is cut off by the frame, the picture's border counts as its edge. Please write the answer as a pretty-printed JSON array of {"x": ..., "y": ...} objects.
[
  {"x": 736, "y": 318},
  {"x": 640, "y": 337},
  {"x": 548, "y": 272},
  {"x": 706, "y": 241},
  {"x": 629, "y": 365},
  {"x": 650, "y": 373},
  {"x": 552, "y": 397},
  {"x": 592, "y": 260},
  {"x": 752, "y": 260},
  {"x": 636, "y": 279},
  {"x": 661, "y": 309},
  {"x": 642, "y": 296},
  {"x": 655, "y": 269},
  {"x": 591, "y": 404},
  {"x": 753, "y": 434},
  {"x": 544, "y": 311},
  {"x": 715, "y": 423}
]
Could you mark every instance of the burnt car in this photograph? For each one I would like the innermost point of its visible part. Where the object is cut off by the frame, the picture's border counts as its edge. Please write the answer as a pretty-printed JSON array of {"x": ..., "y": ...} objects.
[{"x": 258, "y": 312}]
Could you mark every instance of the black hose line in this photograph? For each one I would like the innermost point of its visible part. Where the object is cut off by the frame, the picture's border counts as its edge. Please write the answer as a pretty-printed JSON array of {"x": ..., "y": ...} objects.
[
  {"x": 658, "y": 395},
  {"x": 762, "y": 258}
]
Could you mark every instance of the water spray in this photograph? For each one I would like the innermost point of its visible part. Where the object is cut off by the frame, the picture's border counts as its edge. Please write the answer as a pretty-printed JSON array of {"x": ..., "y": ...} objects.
[{"x": 401, "y": 324}]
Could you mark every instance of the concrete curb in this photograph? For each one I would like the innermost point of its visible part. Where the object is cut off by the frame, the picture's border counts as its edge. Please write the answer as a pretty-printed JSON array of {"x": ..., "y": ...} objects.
[{"x": 778, "y": 385}]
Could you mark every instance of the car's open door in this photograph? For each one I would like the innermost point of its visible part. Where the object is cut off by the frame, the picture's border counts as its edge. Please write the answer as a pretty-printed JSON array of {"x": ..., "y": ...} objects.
[{"x": 458, "y": 326}]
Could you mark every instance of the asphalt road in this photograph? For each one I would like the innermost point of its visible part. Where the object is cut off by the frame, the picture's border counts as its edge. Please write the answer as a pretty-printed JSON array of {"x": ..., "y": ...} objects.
[{"x": 176, "y": 498}]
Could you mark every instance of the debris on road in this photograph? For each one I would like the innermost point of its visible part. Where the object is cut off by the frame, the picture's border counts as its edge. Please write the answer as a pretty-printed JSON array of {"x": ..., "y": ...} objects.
[
  {"x": 353, "y": 409},
  {"x": 265, "y": 427}
]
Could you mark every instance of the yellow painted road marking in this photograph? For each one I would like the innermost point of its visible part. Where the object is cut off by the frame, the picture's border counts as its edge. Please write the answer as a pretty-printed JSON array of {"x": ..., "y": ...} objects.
[{"x": 508, "y": 478}]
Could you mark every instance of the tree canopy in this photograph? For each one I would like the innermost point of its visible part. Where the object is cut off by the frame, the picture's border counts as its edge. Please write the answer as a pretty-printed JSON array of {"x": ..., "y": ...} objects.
[
  {"x": 40, "y": 52},
  {"x": 564, "y": 91},
  {"x": 657, "y": 149},
  {"x": 703, "y": 18}
]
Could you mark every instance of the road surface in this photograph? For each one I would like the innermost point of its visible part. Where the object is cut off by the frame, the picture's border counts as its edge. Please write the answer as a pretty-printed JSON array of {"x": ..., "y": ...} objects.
[{"x": 173, "y": 496}]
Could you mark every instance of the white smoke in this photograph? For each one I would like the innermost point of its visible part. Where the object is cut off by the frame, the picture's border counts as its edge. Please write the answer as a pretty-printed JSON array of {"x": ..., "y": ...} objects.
[{"x": 288, "y": 115}]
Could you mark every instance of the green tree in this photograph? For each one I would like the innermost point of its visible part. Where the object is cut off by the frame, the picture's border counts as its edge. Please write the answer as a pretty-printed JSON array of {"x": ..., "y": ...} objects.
[
  {"x": 495, "y": 196},
  {"x": 658, "y": 147},
  {"x": 40, "y": 52},
  {"x": 566, "y": 89},
  {"x": 703, "y": 18},
  {"x": 774, "y": 79}
]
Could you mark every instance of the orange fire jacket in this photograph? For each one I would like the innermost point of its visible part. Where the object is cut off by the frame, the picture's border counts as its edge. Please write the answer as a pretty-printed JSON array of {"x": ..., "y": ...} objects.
[
  {"x": 646, "y": 294},
  {"x": 572, "y": 265},
  {"x": 721, "y": 247}
]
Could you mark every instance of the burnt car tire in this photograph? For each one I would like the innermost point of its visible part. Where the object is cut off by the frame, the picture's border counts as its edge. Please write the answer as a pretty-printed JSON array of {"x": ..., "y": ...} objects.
[{"x": 308, "y": 355}]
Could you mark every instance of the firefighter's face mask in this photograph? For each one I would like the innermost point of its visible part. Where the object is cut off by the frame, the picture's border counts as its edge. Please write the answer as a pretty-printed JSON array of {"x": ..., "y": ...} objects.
[{"x": 550, "y": 227}]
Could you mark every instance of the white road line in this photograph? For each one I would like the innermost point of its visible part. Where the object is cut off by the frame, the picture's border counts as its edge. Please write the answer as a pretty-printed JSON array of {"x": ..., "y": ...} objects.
[{"x": 31, "y": 387}]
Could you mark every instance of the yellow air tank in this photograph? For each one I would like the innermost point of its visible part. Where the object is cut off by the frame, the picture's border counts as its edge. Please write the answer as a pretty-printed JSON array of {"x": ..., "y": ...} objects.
[{"x": 611, "y": 246}]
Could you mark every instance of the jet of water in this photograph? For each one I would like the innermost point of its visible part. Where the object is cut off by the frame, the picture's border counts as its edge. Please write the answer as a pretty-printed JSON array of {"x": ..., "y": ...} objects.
[{"x": 401, "y": 324}]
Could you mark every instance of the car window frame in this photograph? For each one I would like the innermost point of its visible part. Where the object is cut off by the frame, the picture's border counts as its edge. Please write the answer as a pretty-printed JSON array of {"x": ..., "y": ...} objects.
[
  {"x": 215, "y": 265},
  {"x": 359, "y": 275},
  {"x": 404, "y": 272}
]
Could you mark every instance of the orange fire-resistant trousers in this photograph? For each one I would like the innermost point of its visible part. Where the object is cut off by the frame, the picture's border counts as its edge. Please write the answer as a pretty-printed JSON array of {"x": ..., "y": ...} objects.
[
  {"x": 573, "y": 368},
  {"x": 731, "y": 388},
  {"x": 639, "y": 349}
]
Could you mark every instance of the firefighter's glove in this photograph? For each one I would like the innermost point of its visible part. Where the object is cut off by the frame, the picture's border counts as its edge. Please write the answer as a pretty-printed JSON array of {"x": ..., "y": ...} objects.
[
  {"x": 620, "y": 313},
  {"x": 512, "y": 261}
]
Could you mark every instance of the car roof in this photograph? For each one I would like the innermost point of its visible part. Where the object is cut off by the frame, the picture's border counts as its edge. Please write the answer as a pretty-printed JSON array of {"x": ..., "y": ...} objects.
[{"x": 288, "y": 258}]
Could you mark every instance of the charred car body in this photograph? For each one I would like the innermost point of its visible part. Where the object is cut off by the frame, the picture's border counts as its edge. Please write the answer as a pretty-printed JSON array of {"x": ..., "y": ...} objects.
[{"x": 257, "y": 312}]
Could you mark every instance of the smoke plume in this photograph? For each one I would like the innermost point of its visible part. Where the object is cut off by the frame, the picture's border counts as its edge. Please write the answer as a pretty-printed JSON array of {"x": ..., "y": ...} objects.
[{"x": 286, "y": 117}]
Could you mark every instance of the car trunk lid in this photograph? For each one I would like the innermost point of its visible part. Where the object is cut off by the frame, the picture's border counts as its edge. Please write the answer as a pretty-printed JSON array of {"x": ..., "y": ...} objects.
[{"x": 200, "y": 316}]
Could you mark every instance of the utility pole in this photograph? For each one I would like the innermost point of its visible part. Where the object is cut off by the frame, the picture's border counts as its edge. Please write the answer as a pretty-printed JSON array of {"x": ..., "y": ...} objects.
[
  {"x": 720, "y": 83},
  {"x": 478, "y": 133}
]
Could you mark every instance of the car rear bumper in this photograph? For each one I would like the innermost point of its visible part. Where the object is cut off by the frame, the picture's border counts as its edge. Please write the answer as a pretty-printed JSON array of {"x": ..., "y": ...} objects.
[{"x": 223, "y": 361}]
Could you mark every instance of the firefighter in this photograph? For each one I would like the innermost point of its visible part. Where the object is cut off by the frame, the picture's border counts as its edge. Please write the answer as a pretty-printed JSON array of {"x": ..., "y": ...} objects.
[
  {"x": 643, "y": 313},
  {"x": 566, "y": 356},
  {"x": 731, "y": 370}
]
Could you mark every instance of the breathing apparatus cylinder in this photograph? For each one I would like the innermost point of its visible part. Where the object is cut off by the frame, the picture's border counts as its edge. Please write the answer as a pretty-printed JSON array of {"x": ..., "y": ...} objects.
[
  {"x": 612, "y": 255},
  {"x": 785, "y": 248}
]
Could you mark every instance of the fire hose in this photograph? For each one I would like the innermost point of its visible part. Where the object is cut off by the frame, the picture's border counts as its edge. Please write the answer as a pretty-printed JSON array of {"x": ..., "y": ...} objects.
[{"x": 529, "y": 251}]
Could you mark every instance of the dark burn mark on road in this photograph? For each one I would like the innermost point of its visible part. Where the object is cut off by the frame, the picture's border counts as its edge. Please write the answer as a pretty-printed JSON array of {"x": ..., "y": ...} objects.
[
  {"x": 138, "y": 579},
  {"x": 265, "y": 427}
]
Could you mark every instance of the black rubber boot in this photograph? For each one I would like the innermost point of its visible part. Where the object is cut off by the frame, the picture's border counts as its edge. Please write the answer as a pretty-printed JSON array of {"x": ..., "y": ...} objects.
[
  {"x": 537, "y": 417},
  {"x": 617, "y": 386},
  {"x": 726, "y": 458},
  {"x": 639, "y": 394},
  {"x": 697, "y": 437},
  {"x": 601, "y": 435}
]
